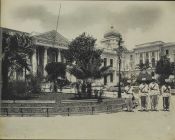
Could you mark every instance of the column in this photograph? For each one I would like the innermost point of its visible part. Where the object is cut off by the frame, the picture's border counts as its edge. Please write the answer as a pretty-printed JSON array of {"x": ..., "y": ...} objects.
[
  {"x": 158, "y": 55},
  {"x": 59, "y": 56},
  {"x": 149, "y": 57},
  {"x": 143, "y": 56},
  {"x": 45, "y": 60},
  {"x": 34, "y": 62}
]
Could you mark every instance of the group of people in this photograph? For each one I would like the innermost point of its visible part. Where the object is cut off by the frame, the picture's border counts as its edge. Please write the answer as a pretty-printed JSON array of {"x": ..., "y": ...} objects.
[
  {"x": 83, "y": 87},
  {"x": 149, "y": 95}
]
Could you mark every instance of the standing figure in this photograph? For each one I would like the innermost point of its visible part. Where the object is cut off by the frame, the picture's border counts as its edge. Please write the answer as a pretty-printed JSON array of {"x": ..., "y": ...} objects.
[
  {"x": 166, "y": 93},
  {"x": 154, "y": 94},
  {"x": 129, "y": 96},
  {"x": 143, "y": 92}
]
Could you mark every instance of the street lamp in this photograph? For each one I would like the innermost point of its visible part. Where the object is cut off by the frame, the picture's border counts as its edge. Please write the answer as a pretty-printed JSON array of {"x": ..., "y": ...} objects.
[{"x": 119, "y": 51}]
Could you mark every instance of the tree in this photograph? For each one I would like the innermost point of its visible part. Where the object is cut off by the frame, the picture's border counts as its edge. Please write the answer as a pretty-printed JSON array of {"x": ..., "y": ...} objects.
[
  {"x": 16, "y": 48},
  {"x": 85, "y": 60},
  {"x": 143, "y": 66},
  {"x": 57, "y": 74},
  {"x": 164, "y": 69}
]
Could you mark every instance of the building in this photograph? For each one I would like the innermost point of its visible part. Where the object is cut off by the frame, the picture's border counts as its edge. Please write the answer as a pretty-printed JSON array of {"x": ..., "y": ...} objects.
[
  {"x": 151, "y": 53},
  {"x": 49, "y": 46}
]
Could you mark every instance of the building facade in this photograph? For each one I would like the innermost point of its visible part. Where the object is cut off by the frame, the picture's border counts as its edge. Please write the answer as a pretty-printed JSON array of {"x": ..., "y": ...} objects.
[{"x": 50, "y": 44}]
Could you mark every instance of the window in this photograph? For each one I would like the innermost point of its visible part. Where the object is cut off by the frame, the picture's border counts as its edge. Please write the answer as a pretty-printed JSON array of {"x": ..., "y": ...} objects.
[
  {"x": 167, "y": 52},
  {"x": 147, "y": 55},
  {"x": 147, "y": 61},
  {"x": 105, "y": 80},
  {"x": 131, "y": 57},
  {"x": 111, "y": 77},
  {"x": 141, "y": 56},
  {"x": 105, "y": 61},
  {"x": 153, "y": 54},
  {"x": 111, "y": 62},
  {"x": 62, "y": 59},
  {"x": 153, "y": 62},
  {"x": 141, "y": 61}
]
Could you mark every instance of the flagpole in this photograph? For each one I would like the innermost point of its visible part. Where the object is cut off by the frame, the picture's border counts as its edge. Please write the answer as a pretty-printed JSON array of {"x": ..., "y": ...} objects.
[
  {"x": 57, "y": 24},
  {"x": 58, "y": 17}
]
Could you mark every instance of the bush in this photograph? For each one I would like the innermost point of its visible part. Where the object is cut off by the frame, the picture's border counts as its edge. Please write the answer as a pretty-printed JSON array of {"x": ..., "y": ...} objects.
[
  {"x": 17, "y": 87},
  {"x": 35, "y": 84}
]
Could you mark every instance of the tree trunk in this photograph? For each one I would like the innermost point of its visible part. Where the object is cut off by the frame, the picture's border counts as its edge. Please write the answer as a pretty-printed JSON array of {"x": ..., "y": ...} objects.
[{"x": 5, "y": 69}]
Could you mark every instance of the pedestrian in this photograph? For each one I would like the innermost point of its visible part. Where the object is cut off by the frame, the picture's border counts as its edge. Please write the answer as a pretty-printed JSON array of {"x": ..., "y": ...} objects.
[
  {"x": 129, "y": 96},
  {"x": 143, "y": 92},
  {"x": 166, "y": 94},
  {"x": 154, "y": 93}
]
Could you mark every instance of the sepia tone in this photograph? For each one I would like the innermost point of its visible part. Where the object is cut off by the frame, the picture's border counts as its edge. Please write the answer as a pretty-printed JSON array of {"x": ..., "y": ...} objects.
[{"x": 122, "y": 87}]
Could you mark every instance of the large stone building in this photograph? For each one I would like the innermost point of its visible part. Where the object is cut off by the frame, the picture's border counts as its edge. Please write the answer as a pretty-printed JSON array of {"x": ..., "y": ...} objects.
[
  {"x": 49, "y": 46},
  {"x": 150, "y": 52}
]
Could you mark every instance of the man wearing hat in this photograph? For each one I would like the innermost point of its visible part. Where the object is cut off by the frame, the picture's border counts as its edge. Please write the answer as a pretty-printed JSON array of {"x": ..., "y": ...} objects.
[
  {"x": 143, "y": 92},
  {"x": 154, "y": 92},
  {"x": 166, "y": 93},
  {"x": 128, "y": 96}
]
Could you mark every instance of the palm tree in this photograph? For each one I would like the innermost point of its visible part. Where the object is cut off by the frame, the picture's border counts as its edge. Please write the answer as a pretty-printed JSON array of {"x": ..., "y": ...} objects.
[
  {"x": 15, "y": 51},
  {"x": 90, "y": 72},
  {"x": 85, "y": 60},
  {"x": 57, "y": 74}
]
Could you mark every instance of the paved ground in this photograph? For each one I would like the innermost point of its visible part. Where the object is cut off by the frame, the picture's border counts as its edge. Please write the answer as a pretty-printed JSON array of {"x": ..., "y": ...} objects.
[{"x": 121, "y": 126}]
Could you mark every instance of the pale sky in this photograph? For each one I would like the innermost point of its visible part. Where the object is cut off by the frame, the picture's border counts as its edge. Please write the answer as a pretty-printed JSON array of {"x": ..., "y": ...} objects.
[{"x": 138, "y": 22}]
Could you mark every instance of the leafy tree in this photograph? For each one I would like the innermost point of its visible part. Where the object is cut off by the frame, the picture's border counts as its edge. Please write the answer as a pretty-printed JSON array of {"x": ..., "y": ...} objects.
[
  {"x": 15, "y": 51},
  {"x": 164, "y": 69},
  {"x": 57, "y": 74},
  {"x": 85, "y": 60}
]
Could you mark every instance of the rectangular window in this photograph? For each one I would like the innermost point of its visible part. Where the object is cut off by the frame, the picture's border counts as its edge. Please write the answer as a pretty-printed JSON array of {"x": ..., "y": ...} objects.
[
  {"x": 105, "y": 62},
  {"x": 147, "y": 55},
  {"x": 153, "y": 62},
  {"x": 141, "y": 56},
  {"x": 111, "y": 77},
  {"x": 167, "y": 52},
  {"x": 105, "y": 80},
  {"x": 153, "y": 54},
  {"x": 111, "y": 62},
  {"x": 131, "y": 57},
  {"x": 141, "y": 61}
]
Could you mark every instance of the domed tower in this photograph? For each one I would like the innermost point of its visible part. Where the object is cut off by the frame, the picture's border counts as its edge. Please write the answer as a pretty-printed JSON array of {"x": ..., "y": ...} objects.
[{"x": 111, "y": 38}]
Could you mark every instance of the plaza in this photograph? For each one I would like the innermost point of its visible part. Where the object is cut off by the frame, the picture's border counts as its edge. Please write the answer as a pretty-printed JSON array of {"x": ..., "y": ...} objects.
[{"x": 122, "y": 125}]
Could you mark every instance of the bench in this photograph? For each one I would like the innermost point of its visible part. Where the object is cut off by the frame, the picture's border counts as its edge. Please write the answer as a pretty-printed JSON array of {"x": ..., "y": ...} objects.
[
  {"x": 22, "y": 107},
  {"x": 79, "y": 101}
]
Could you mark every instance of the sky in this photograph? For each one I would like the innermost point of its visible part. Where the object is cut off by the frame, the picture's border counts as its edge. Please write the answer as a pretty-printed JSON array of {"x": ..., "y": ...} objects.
[{"x": 138, "y": 21}]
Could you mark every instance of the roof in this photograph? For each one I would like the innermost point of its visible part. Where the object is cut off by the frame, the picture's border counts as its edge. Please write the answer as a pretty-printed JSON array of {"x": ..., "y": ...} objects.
[
  {"x": 149, "y": 44},
  {"x": 13, "y": 31},
  {"x": 112, "y": 33},
  {"x": 53, "y": 36}
]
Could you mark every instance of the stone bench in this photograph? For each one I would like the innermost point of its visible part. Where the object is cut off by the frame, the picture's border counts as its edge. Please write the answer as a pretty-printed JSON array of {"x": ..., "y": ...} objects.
[
  {"x": 22, "y": 107},
  {"x": 80, "y": 101}
]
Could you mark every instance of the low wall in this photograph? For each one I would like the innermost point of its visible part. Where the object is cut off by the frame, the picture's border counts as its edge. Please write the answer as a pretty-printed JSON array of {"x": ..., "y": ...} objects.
[{"x": 81, "y": 108}]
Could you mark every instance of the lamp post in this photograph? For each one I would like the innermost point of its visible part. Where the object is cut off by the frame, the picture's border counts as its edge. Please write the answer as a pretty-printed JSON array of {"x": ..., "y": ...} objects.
[{"x": 119, "y": 51}]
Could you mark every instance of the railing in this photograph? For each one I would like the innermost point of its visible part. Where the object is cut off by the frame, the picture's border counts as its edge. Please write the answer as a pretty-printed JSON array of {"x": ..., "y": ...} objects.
[{"x": 67, "y": 108}]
